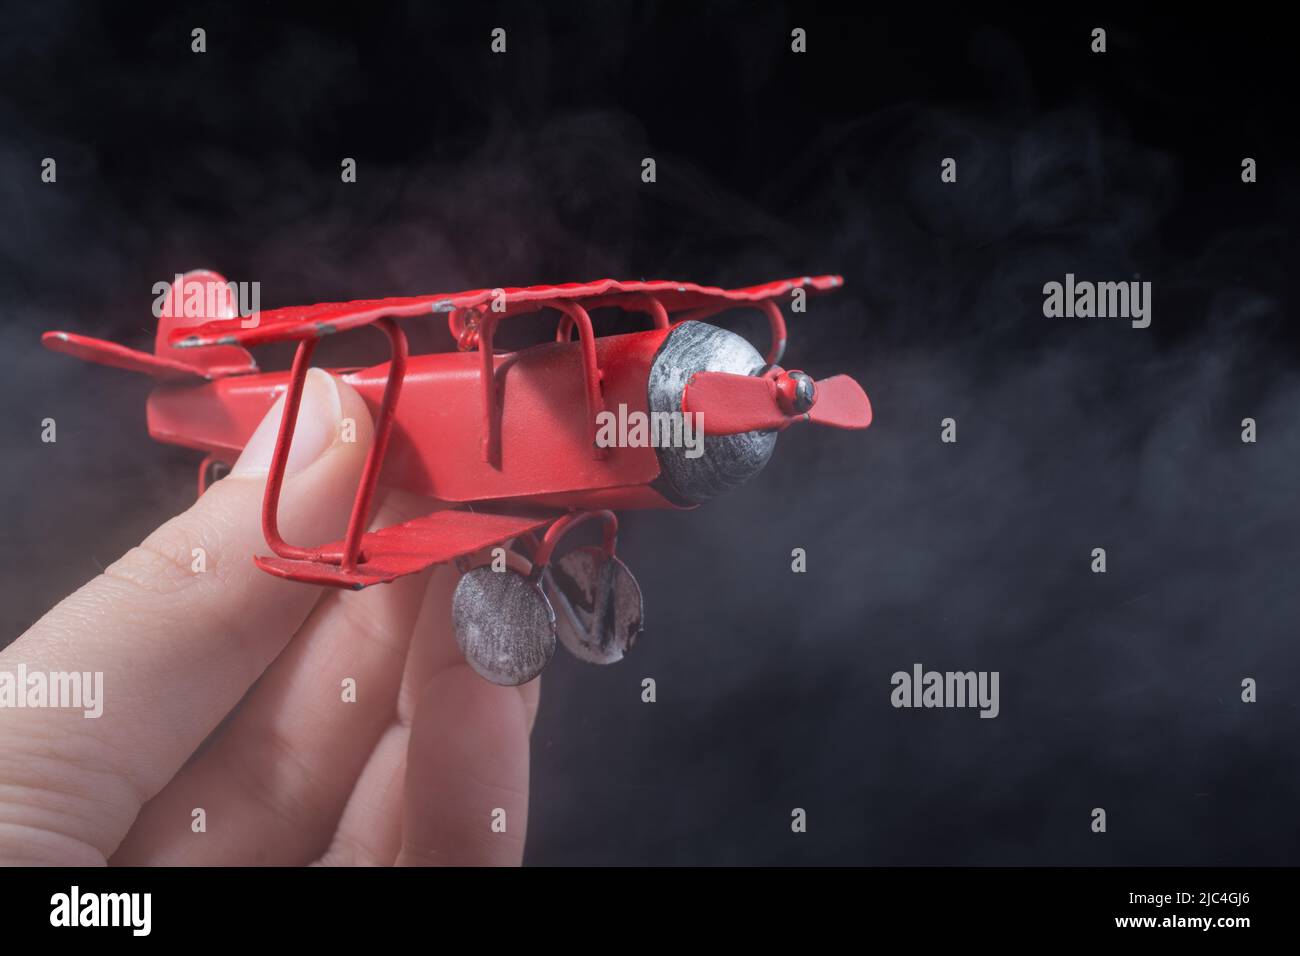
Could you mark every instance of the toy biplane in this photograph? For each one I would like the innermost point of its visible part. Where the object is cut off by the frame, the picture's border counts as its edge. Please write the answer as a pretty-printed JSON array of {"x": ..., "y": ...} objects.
[{"x": 506, "y": 441}]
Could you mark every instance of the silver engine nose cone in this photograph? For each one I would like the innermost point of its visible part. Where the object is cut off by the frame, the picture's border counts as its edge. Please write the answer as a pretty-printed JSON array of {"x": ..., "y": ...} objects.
[{"x": 728, "y": 460}]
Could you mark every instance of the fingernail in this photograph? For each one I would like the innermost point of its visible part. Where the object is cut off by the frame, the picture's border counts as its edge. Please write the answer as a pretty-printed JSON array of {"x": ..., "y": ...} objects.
[{"x": 318, "y": 424}]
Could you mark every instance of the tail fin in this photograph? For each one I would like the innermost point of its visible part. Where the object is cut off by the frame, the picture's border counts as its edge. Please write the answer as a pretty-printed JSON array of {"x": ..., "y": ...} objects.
[{"x": 193, "y": 299}]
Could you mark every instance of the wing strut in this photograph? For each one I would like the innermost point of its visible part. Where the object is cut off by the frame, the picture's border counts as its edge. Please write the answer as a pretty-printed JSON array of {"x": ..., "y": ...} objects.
[
  {"x": 349, "y": 554},
  {"x": 481, "y": 334}
]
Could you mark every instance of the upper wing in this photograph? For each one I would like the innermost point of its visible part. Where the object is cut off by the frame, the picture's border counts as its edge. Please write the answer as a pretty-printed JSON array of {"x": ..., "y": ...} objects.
[
  {"x": 400, "y": 549},
  {"x": 312, "y": 321}
]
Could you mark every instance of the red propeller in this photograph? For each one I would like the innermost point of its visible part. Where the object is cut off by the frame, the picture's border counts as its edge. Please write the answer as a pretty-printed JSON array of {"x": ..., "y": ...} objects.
[{"x": 733, "y": 403}]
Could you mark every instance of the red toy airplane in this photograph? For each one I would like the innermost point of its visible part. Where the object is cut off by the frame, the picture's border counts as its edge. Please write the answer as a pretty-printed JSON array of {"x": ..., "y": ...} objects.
[{"x": 510, "y": 440}]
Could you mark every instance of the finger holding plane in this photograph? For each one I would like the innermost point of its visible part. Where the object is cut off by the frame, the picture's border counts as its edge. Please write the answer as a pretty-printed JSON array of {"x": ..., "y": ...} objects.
[
  {"x": 435, "y": 649},
  {"x": 370, "y": 830},
  {"x": 467, "y": 765},
  {"x": 176, "y": 649},
  {"x": 275, "y": 782}
]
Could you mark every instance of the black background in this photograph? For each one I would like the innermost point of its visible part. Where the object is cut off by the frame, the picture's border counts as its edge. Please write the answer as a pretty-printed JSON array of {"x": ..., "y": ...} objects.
[{"x": 1119, "y": 691}]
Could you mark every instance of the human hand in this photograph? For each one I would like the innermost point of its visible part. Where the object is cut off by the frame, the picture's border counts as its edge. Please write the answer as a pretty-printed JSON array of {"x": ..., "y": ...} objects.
[{"x": 224, "y": 691}]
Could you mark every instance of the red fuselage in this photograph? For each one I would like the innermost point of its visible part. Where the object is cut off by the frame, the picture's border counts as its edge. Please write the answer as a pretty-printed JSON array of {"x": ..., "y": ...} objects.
[{"x": 546, "y": 454}]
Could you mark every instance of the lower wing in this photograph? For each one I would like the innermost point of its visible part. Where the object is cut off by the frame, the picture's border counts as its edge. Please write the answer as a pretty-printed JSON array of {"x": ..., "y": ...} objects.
[{"x": 401, "y": 549}]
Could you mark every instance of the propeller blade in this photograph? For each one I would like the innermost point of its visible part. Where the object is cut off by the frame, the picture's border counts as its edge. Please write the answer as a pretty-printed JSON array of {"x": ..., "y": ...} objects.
[
  {"x": 732, "y": 403},
  {"x": 841, "y": 403}
]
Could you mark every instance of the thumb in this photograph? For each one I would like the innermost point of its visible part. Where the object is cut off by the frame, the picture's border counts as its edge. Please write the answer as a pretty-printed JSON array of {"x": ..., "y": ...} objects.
[{"x": 179, "y": 628}]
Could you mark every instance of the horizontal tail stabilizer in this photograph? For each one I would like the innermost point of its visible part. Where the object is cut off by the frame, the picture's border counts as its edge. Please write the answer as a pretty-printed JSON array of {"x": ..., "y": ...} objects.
[
  {"x": 193, "y": 299},
  {"x": 101, "y": 352}
]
